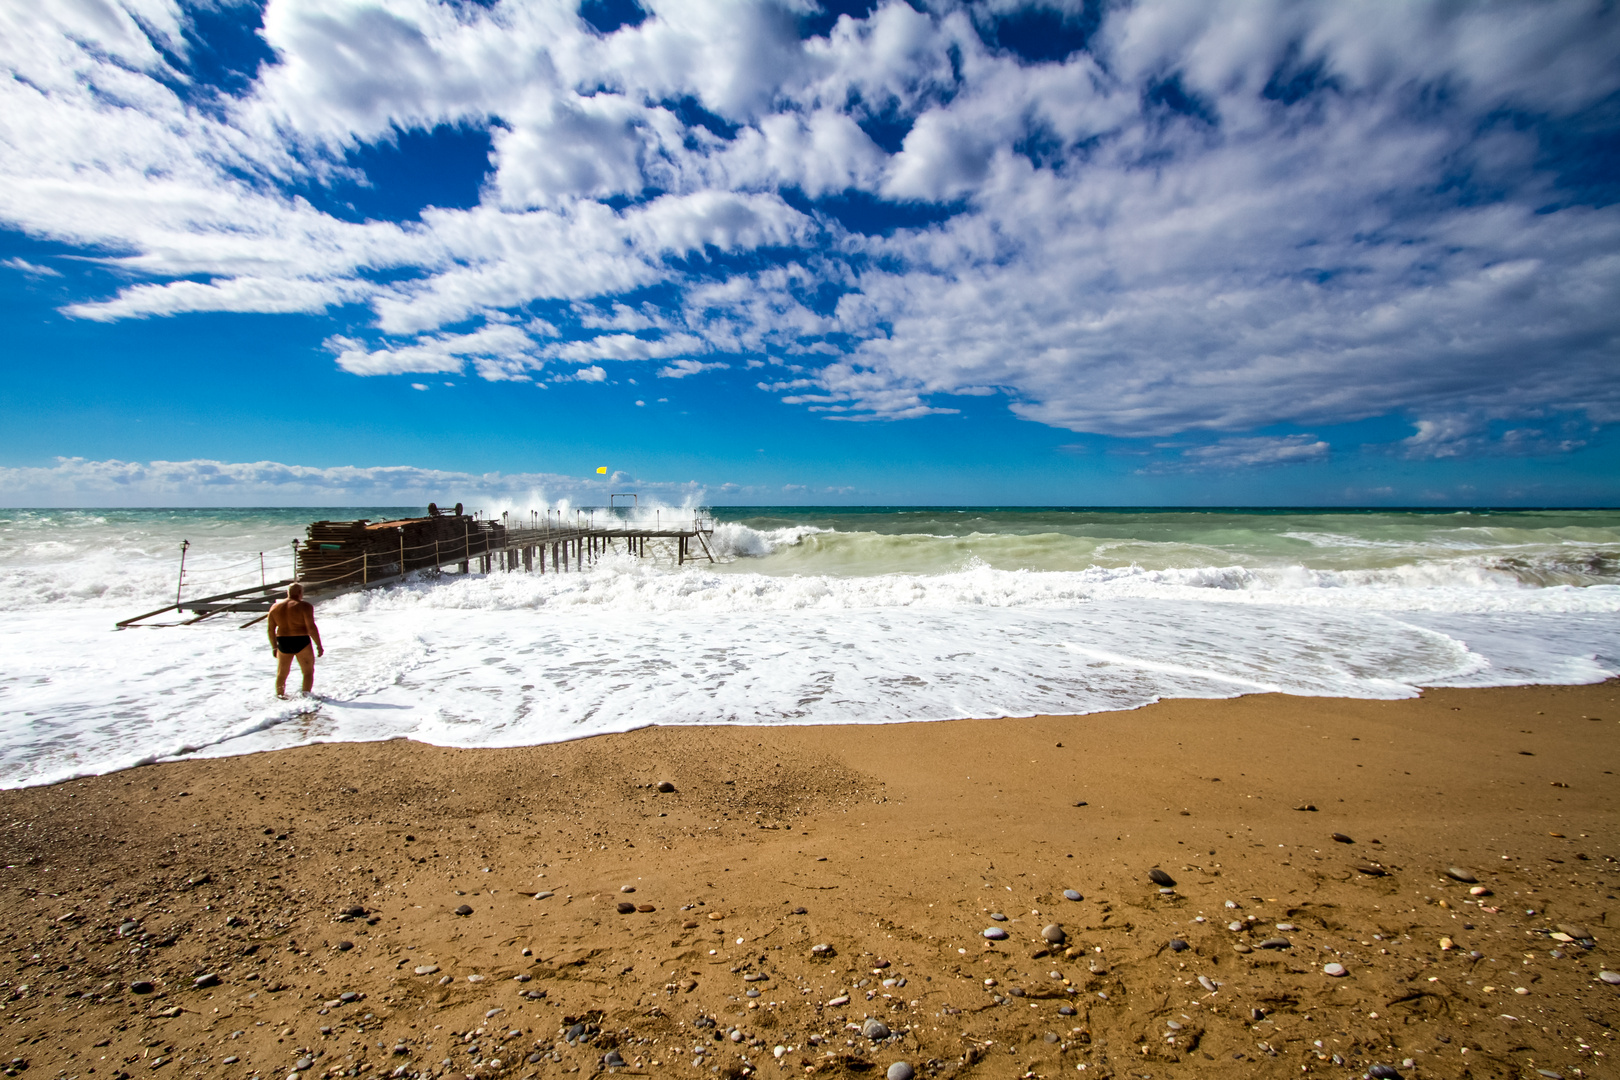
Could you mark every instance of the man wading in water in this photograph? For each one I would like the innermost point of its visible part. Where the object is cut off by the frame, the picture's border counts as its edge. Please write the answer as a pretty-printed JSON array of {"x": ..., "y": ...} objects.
[{"x": 291, "y": 625}]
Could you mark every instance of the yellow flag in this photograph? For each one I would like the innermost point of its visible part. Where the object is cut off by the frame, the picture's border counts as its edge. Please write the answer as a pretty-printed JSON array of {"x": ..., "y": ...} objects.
[{"x": 602, "y": 469}]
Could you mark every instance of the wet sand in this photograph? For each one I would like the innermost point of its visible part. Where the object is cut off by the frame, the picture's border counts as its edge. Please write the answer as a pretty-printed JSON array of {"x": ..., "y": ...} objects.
[{"x": 306, "y": 889}]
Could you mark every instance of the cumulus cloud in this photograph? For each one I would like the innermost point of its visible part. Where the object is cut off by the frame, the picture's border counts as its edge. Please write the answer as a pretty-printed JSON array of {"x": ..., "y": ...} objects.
[
  {"x": 1215, "y": 217},
  {"x": 82, "y": 482},
  {"x": 1244, "y": 452}
]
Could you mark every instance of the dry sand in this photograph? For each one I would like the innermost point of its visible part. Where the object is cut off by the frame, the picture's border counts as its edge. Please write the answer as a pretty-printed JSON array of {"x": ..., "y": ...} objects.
[{"x": 893, "y": 845}]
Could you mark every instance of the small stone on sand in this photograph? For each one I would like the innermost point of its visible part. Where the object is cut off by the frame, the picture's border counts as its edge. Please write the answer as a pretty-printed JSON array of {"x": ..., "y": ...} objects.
[
  {"x": 1054, "y": 934},
  {"x": 1465, "y": 876},
  {"x": 1335, "y": 970},
  {"x": 665, "y": 786},
  {"x": 464, "y": 909},
  {"x": 1159, "y": 877},
  {"x": 1177, "y": 945},
  {"x": 875, "y": 1030},
  {"x": 1610, "y": 977},
  {"x": 995, "y": 933},
  {"x": 625, "y": 907},
  {"x": 900, "y": 1070},
  {"x": 1340, "y": 838},
  {"x": 1071, "y": 894}
]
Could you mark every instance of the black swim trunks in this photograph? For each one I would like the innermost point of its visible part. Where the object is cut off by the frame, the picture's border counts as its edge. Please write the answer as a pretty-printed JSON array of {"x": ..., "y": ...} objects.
[{"x": 292, "y": 645}]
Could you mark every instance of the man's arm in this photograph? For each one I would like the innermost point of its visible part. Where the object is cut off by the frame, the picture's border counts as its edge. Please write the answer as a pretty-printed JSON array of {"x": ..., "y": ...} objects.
[
  {"x": 314, "y": 631},
  {"x": 270, "y": 624}
]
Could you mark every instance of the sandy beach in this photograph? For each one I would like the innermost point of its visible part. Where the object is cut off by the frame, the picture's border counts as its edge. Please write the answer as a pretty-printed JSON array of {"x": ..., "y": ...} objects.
[{"x": 815, "y": 900}]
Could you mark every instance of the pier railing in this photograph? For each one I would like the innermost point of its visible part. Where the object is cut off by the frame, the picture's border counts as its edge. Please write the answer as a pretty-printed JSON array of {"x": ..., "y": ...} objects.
[{"x": 327, "y": 562}]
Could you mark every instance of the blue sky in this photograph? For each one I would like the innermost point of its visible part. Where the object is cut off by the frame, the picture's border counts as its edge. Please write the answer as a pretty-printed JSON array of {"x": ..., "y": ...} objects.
[{"x": 996, "y": 252}]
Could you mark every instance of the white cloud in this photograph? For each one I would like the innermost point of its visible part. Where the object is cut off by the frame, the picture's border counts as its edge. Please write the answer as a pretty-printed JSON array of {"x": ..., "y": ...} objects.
[
  {"x": 680, "y": 369},
  {"x": 1224, "y": 216},
  {"x": 1246, "y": 452},
  {"x": 31, "y": 269},
  {"x": 202, "y": 482}
]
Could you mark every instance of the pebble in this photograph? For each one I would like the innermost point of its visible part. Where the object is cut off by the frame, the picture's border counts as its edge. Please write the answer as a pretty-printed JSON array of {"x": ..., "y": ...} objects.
[
  {"x": 613, "y": 1060},
  {"x": 464, "y": 909},
  {"x": 1159, "y": 877},
  {"x": 1234, "y": 926},
  {"x": 203, "y": 982},
  {"x": 1479, "y": 890},
  {"x": 1070, "y": 894},
  {"x": 627, "y": 888},
  {"x": 1339, "y": 837},
  {"x": 427, "y": 969},
  {"x": 1240, "y": 947},
  {"x": 544, "y": 894},
  {"x": 1276, "y": 943},
  {"x": 822, "y": 950},
  {"x": 1579, "y": 933},
  {"x": 1383, "y": 1072},
  {"x": 995, "y": 933},
  {"x": 348, "y": 995},
  {"x": 1549, "y": 1074},
  {"x": 1610, "y": 977},
  {"x": 475, "y": 978},
  {"x": 875, "y": 1029},
  {"x": 345, "y": 946},
  {"x": 1208, "y": 983},
  {"x": 1017, "y": 991},
  {"x": 1172, "y": 1025},
  {"x": 752, "y": 993},
  {"x": 1458, "y": 873},
  {"x": 665, "y": 786},
  {"x": 998, "y": 916},
  {"x": 522, "y": 977},
  {"x": 127, "y": 928},
  {"x": 141, "y": 986},
  {"x": 1287, "y": 927},
  {"x": 1335, "y": 970},
  {"x": 1177, "y": 945},
  {"x": 900, "y": 1070},
  {"x": 1065, "y": 1010},
  {"x": 304, "y": 1064},
  {"x": 799, "y": 911},
  {"x": 625, "y": 907},
  {"x": 841, "y": 999},
  {"x": 1054, "y": 934}
]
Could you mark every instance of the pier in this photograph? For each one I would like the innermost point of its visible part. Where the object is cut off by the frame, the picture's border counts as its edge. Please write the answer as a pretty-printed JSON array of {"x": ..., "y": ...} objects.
[{"x": 339, "y": 556}]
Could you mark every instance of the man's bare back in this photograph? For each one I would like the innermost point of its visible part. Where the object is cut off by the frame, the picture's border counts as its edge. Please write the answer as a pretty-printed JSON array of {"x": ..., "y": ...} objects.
[{"x": 291, "y": 625}]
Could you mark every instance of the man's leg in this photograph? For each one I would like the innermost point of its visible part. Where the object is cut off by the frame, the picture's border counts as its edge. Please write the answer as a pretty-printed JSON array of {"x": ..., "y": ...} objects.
[
  {"x": 283, "y": 664},
  {"x": 306, "y": 662}
]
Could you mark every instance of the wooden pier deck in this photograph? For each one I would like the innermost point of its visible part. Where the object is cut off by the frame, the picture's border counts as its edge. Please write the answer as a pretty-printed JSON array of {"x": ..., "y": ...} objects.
[{"x": 338, "y": 556}]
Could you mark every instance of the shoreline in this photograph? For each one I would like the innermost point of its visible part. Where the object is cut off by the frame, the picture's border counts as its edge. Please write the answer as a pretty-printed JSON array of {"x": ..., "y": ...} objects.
[{"x": 893, "y": 839}]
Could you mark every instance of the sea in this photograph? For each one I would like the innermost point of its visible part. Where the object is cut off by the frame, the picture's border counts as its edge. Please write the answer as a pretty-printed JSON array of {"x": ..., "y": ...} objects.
[{"x": 813, "y": 615}]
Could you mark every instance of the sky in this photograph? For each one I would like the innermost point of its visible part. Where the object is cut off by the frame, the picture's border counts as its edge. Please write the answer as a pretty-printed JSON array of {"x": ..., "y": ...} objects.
[{"x": 1073, "y": 252}]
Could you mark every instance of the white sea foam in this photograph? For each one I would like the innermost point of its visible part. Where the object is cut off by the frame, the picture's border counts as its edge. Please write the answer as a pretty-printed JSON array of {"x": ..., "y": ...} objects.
[{"x": 991, "y": 630}]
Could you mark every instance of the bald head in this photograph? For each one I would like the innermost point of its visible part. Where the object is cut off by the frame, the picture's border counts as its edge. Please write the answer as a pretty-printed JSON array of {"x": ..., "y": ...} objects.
[{"x": 295, "y": 591}]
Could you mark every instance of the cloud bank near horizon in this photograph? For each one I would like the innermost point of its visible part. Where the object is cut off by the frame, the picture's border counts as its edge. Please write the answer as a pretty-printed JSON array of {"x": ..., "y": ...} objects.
[
  {"x": 113, "y": 483},
  {"x": 1133, "y": 220}
]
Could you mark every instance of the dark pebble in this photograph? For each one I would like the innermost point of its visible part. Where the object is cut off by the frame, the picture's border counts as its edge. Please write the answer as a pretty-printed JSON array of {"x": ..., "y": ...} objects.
[
  {"x": 1383, "y": 1072},
  {"x": 141, "y": 986},
  {"x": 665, "y": 786},
  {"x": 645, "y": 908},
  {"x": 536, "y": 1058},
  {"x": 875, "y": 1030},
  {"x": 1275, "y": 943},
  {"x": 345, "y": 946},
  {"x": 203, "y": 982},
  {"x": 1343, "y": 839},
  {"x": 464, "y": 910},
  {"x": 1160, "y": 878},
  {"x": 1071, "y": 894},
  {"x": 1178, "y": 945},
  {"x": 799, "y": 911},
  {"x": 1054, "y": 934},
  {"x": 1017, "y": 991},
  {"x": 1458, "y": 873},
  {"x": 1065, "y": 1010},
  {"x": 612, "y": 1060},
  {"x": 752, "y": 993},
  {"x": 625, "y": 907}
]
